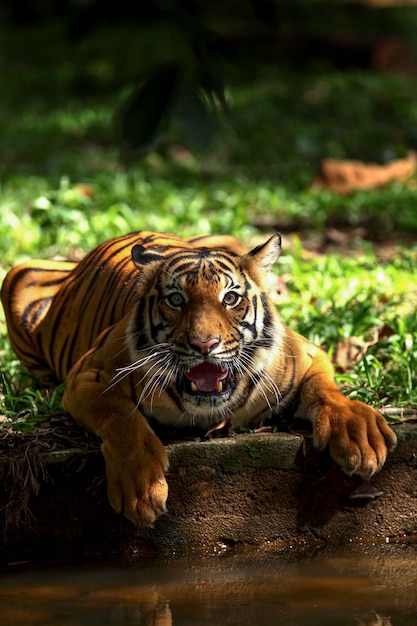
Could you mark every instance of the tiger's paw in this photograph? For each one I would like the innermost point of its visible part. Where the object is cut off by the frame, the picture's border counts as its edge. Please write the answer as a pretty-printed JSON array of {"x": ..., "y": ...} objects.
[
  {"x": 358, "y": 437},
  {"x": 136, "y": 484}
]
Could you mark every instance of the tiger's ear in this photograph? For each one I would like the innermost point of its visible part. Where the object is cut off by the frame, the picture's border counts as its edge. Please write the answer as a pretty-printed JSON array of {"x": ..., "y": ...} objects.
[
  {"x": 267, "y": 253},
  {"x": 143, "y": 256}
]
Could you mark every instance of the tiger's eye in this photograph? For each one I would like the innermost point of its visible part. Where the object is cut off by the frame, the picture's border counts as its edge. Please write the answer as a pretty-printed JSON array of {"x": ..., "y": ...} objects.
[
  {"x": 231, "y": 298},
  {"x": 175, "y": 300}
]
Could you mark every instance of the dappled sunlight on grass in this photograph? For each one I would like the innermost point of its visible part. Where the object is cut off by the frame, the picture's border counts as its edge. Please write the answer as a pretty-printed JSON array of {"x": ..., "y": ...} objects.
[
  {"x": 65, "y": 186},
  {"x": 332, "y": 298}
]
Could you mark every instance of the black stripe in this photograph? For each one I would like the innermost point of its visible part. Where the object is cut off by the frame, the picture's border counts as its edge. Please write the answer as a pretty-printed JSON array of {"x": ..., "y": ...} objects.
[
  {"x": 33, "y": 311},
  {"x": 51, "y": 283},
  {"x": 155, "y": 328},
  {"x": 85, "y": 274},
  {"x": 65, "y": 359},
  {"x": 139, "y": 325},
  {"x": 110, "y": 300},
  {"x": 226, "y": 268},
  {"x": 248, "y": 325},
  {"x": 185, "y": 267},
  {"x": 174, "y": 397}
]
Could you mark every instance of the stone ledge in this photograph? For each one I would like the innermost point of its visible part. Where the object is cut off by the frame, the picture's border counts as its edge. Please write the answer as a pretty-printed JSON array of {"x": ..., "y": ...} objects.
[{"x": 251, "y": 489}]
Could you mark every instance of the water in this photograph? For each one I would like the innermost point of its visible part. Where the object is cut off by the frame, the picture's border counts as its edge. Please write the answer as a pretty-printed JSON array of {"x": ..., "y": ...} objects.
[{"x": 372, "y": 586}]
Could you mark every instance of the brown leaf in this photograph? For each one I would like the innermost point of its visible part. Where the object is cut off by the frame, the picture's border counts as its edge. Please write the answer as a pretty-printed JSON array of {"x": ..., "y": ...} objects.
[
  {"x": 343, "y": 176},
  {"x": 384, "y": 331},
  {"x": 365, "y": 492},
  {"x": 344, "y": 237},
  {"x": 85, "y": 190},
  {"x": 349, "y": 351},
  {"x": 224, "y": 424}
]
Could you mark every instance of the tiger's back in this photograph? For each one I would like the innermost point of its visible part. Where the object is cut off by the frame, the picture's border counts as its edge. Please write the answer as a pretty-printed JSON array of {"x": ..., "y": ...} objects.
[{"x": 56, "y": 309}]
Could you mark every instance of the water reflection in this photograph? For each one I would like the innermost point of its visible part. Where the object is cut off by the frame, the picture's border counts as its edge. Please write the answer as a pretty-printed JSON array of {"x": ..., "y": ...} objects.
[
  {"x": 376, "y": 588},
  {"x": 373, "y": 619}
]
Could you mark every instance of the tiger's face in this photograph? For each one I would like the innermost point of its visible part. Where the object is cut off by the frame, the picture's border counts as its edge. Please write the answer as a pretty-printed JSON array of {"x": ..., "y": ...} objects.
[{"x": 203, "y": 329}]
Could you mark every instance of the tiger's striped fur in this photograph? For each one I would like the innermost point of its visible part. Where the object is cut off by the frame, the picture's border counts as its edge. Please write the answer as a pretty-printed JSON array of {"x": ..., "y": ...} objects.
[{"x": 181, "y": 331}]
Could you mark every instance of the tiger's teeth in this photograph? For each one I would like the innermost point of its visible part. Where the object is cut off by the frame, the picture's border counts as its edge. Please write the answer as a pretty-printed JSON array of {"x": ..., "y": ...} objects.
[
  {"x": 193, "y": 386},
  {"x": 219, "y": 386}
]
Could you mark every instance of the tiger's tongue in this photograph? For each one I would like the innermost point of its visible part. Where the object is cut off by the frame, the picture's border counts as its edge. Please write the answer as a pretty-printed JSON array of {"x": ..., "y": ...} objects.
[{"x": 206, "y": 376}]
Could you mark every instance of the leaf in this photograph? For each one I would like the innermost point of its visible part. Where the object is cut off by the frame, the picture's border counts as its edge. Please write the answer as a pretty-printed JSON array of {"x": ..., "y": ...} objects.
[
  {"x": 224, "y": 424},
  {"x": 365, "y": 492},
  {"x": 211, "y": 81},
  {"x": 349, "y": 351},
  {"x": 195, "y": 118},
  {"x": 147, "y": 108},
  {"x": 345, "y": 177}
]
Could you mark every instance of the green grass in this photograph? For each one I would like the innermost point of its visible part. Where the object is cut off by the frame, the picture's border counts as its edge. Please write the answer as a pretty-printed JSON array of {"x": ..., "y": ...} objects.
[
  {"x": 64, "y": 188},
  {"x": 330, "y": 298},
  {"x": 25, "y": 406},
  {"x": 333, "y": 298}
]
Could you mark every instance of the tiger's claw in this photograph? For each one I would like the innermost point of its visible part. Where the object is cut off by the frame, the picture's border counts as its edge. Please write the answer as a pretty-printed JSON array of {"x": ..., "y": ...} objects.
[{"x": 358, "y": 436}]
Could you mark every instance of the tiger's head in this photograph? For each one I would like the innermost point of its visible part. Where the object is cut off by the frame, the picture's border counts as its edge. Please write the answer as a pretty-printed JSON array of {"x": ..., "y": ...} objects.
[{"x": 203, "y": 329}]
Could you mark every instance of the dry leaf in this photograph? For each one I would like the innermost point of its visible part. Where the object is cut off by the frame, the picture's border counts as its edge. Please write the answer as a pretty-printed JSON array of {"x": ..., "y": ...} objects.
[
  {"x": 85, "y": 190},
  {"x": 344, "y": 237},
  {"x": 345, "y": 177},
  {"x": 226, "y": 424},
  {"x": 365, "y": 492},
  {"x": 350, "y": 350}
]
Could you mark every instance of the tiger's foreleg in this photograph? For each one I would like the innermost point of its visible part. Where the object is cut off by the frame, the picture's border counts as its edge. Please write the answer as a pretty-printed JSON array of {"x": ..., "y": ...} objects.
[
  {"x": 136, "y": 463},
  {"x": 135, "y": 458},
  {"x": 357, "y": 435}
]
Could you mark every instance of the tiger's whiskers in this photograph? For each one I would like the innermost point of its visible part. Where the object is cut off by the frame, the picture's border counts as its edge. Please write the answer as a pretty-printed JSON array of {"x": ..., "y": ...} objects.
[{"x": 154, "y": 355}]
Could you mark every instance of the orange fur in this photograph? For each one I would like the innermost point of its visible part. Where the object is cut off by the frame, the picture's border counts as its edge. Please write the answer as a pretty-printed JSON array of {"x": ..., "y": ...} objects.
[{"x": 185, "y": 334}]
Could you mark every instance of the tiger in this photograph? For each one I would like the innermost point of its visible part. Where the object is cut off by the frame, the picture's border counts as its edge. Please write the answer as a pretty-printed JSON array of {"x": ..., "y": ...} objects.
[{"x": 149, "y": 328}]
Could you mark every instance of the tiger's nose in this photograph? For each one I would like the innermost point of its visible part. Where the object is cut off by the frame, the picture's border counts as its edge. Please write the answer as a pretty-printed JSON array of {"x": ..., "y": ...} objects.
[{"x": 205, "y": 346}]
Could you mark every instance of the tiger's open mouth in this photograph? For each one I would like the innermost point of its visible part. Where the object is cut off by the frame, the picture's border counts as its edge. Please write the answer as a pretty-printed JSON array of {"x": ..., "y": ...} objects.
[{"x": 207, "y": 379}]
